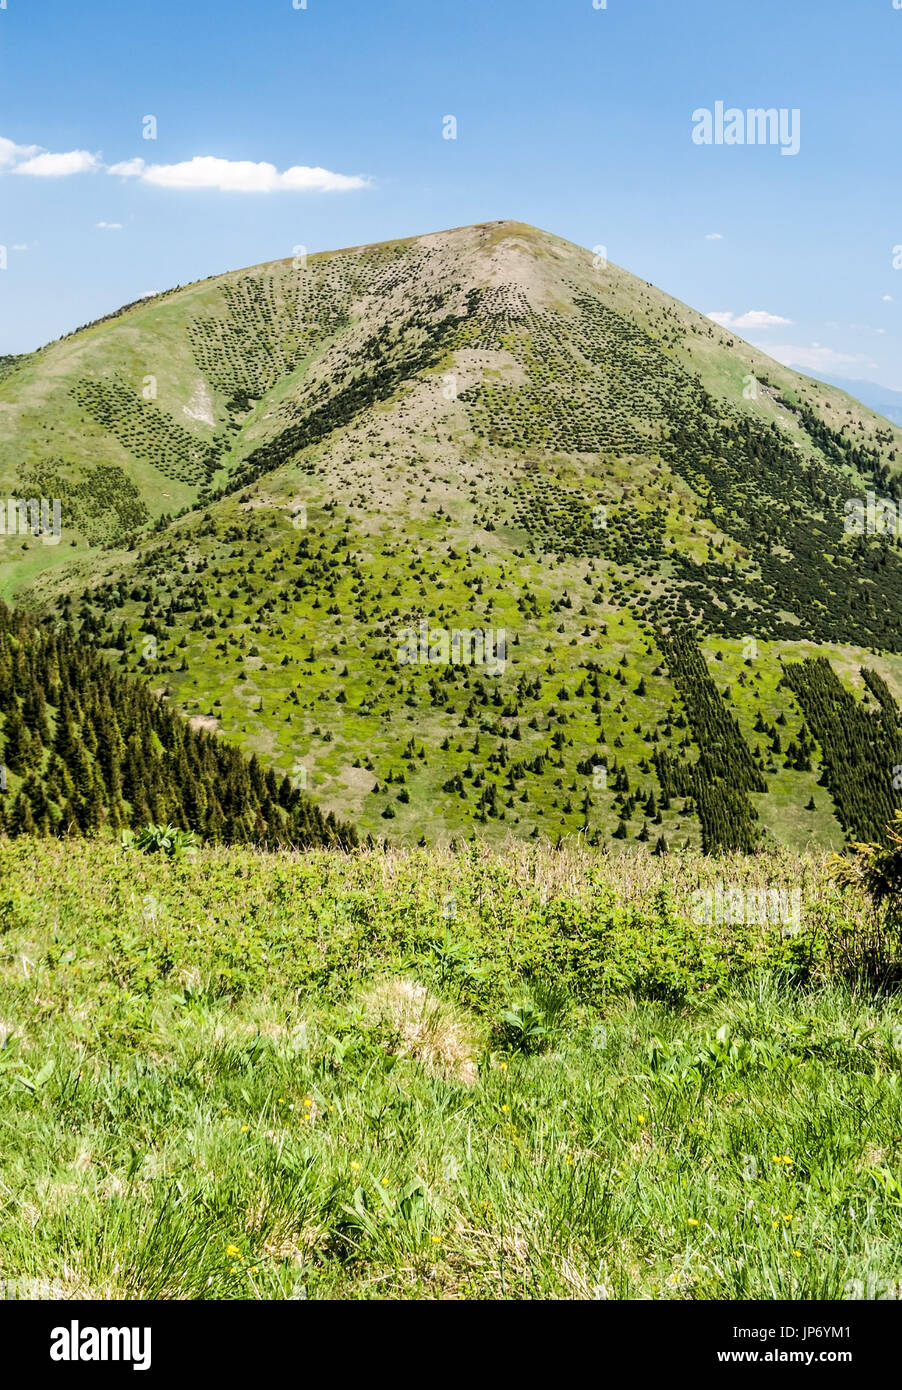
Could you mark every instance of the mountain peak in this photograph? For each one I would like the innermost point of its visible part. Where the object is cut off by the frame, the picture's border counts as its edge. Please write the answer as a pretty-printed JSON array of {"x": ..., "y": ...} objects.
[{"x": 277, "y": 481}]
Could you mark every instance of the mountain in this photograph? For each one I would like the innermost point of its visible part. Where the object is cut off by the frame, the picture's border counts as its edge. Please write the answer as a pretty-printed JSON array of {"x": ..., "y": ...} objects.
[
  {"x": 473, "y": 533},
  {"x": 882, "y": 399}
]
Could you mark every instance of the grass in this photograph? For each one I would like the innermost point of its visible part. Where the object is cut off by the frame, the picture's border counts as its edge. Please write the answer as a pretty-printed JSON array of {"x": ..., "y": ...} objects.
[{"x": 526, "y": 1074}]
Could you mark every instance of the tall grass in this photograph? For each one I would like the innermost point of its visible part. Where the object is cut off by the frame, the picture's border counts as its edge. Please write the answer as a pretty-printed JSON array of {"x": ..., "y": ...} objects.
[{"x": 277, "y": 1077}]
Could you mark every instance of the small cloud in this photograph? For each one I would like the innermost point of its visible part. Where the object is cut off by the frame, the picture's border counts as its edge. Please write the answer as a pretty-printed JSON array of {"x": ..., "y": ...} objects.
[
  {"x": 816, "y": 358},
  {"x": 128, "y": 168},
  {"x": 713, "y": 236},
  {"x": 887, "y": 299},
  {"x": 759, "y": 318},
  {"x": 109, "y": 226},
  {"x": 10, "y": 152},
  {"x": 149, "y": 294},
  {"x": 55, "y": 166},
  {"x": 752, "y": 318},
  {"x": 238, "y": 176},
  {"x": 19, "y": 246}
]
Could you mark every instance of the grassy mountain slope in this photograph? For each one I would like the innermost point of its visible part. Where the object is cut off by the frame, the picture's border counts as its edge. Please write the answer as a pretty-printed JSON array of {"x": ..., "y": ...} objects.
[
  {"x": 479, "y": 429},
  {"x": 86, "y": 750}
]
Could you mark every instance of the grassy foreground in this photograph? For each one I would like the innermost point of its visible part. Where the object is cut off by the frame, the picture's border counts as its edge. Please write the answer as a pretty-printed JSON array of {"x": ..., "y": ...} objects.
[{"x": 529, "y": 1074}]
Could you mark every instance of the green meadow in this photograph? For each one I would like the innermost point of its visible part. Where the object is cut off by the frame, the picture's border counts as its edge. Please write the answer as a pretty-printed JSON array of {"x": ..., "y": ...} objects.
[{"x": 519, "y": 1073}]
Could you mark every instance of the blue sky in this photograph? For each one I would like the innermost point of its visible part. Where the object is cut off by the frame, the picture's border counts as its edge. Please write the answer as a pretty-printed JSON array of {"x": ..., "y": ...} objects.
[{"x": 576, "y": 119}]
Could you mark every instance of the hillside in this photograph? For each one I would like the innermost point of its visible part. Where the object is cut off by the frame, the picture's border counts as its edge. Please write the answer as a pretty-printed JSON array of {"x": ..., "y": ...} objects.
[
  {"x": 88, "y": 750},
  {"x": 479, "y": 431}
]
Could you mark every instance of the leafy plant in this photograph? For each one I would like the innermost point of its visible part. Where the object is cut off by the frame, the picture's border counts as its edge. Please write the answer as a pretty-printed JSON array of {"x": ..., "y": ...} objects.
[
  {"x": 164, "y": 839},
  {"x": 523, "y": 1027},
  {"x": 875, "y": 868}
]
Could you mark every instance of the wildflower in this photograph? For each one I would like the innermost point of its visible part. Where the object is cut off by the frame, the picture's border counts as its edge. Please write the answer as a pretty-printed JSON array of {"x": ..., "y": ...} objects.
[
  {"x": 502, "y": 1066},
  {"x": 281, "y": 1100},
  {"x": 385, "y": 1182},
  {"x": 797, "y": 1252},
  {"x": 308, "y": 1100},
  {"x": 234, "y": 1269},
  {"x": 355, "y": 1165},
  {"x": 436, "y": 1240},
  {"x": 641, "y": 1119},
  {"x": 505, "y": 1109},
  {"x": 787, "y": 1218},
  {"x": 233, "y": 1251},
  {"x": 568, "y": 1159},
  {"x": 692, "y": 1221},
  {"x": 244, "y": 1129}
]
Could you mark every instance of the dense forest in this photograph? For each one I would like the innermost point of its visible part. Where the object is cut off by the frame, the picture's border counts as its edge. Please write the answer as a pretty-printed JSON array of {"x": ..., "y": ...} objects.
[{"x": 85, "y": 748}]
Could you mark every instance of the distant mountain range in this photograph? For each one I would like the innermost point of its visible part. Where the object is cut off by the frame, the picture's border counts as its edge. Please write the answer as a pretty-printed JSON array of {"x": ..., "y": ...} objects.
[{"x": 879, "y": 398}]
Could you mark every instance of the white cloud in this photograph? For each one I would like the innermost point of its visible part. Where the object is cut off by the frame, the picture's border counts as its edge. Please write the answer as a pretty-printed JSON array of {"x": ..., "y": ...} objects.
[
  {"x": 752, "y": 318},
  {"x": 816, "y": 358},
  {"x": 713, "y": 236},
  {"x": 55, "y": 166},
  {"x": 237, "y": 176},
  {"x": 759, "y": 318},
  {"x": 109, "y": 226},
  {"x": 19, "y": 246},
  {"x": 887, "y": 299},
  {"x": 128, "y": 167},
  {"x": 10, "y": 151},
  {"x": 201, "y": 172}
]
